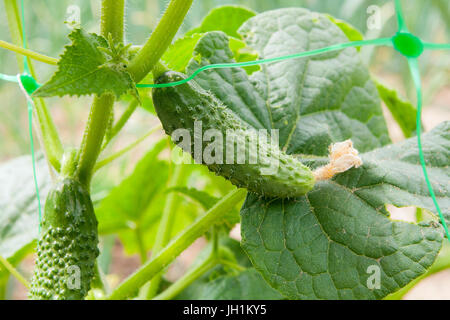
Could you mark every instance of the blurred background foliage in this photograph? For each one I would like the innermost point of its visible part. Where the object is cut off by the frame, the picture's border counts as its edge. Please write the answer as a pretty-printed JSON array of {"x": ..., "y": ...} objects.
[{"x": 47, "y": 34}]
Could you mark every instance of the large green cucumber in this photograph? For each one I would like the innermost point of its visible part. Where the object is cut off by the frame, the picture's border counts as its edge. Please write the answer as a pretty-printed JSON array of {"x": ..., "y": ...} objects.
[
  {"x": 179, "y": 107},
  {"x": 67, "y": 248}
]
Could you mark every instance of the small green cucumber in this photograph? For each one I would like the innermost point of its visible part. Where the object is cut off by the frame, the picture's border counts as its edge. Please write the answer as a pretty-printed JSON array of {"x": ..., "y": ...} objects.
[
  {"x": 67, "y": 249},
  {"x": 182, "y": 106}
]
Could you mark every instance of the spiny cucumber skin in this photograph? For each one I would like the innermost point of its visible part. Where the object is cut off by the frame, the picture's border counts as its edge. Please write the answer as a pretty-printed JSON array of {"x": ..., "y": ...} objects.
[
  {"x": 180, "y": 106},
  {"x": 68, "y": 238}
]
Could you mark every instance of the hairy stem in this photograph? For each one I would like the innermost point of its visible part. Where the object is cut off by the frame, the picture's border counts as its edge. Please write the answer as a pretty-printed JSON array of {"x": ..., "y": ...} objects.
[
  {"x": 46, "y": 127},
  {"x": 112, "y": 19},
  {"x": 145, "y": 273},
  {"x": 160, "y": 39},
  {"x": 93, "y": 136},
  {"x": 101, "y": 110}
]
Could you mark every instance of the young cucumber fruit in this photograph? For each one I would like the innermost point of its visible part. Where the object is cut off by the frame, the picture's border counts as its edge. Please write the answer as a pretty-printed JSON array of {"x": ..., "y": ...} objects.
[
  {"x": 67, "y": 248},
  {"x": 186, "y": 105}
]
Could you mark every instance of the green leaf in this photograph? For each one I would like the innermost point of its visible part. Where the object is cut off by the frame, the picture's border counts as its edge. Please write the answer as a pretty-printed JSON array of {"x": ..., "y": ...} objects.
[
  {"x": 320, "y": 246},
  {"x": 128, "y": 206},
  {"x": 207, "y": 202},
  {"x": 312, "y": 102},
  {"x": 225, "y": 18},
  {"x": 19, "y": 216},
  {"x": 402, "y": 111},
  {"x": 205, "y": 199},
  {"x": 350, "y": 31},
  {"x": 136, "y": 204},
  {"x": 86, "y": 68},
  {"x": 179, "y": 53},
  {"x": 242, "y": 53},
  {"x": 246, "y": 285},
  {"x": 226, "y": 284}
]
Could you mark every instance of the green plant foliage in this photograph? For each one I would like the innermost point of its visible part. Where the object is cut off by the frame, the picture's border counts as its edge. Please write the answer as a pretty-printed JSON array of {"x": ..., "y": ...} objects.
[
  {"x": 179, "y": 53},
  {"x": 19, "y": 219},
  {"x": 225, "y": 18},
  {"x": 224, "y": 283},
  {"x": 90, "y": 65},
  {"x": 205, "y": 199},
  {"x": 318, "y": 246},
  {"x": 246, "y": 285},
  {"x": 135, "y": 204},
  {"x": 321, "y": 245},
  {"x": 402, "y": 111}
]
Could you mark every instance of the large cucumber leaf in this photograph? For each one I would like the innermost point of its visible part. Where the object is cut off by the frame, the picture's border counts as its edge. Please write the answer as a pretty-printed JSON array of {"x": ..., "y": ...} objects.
[{"x": 321, "y": 245}]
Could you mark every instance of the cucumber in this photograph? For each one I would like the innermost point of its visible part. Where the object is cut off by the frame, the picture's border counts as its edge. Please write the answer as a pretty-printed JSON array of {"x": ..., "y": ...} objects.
[
  {"x": 179, "y": 107},
  {"x": 67, "y": 249}
]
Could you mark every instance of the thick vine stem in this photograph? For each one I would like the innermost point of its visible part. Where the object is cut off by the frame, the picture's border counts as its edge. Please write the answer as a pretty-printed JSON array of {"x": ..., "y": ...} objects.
[
  {"x": 102, "y": 107},
  {"x": 145, "y": 273},
  {"x": 112, "y": 19},
  {"x": 93, "y": 137},
  {"x": 160, "y": 39}
]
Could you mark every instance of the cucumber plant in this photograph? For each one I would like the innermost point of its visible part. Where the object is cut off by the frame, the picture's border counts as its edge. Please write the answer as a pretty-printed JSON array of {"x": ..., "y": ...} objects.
[{"x": 316, "y": 229}]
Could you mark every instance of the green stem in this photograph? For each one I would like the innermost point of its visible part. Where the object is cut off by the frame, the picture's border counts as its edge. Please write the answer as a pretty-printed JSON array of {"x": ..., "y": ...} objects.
[
  {"x": 158, "y": 70},
  {"x": 195, "y": 272},
  {"x": 28, "y": 53},
  {"x": 120, "y": 153},
  {"x": 93, "y": 136},
  {"x": 46, "y": 128},
  {"x": 121, "y": 122},
  {"x": 8, "y": 266},
  {"x": 187, "y": 279},
  {"x": 165, "y": 227},
  {"x": 141, "y": 246},
  {"x": 112, "y": 19},
  {"x": 178, "y": 245},
  {"x": 232, "y": 265},
  {"x": 111, "y": 23},
  {"x": 160, "y": 39},
  {"x": 15, "y": 27}
]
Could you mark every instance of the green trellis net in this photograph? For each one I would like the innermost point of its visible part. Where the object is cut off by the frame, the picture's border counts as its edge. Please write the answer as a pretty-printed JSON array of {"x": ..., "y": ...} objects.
[{"x": 403, "y": 41}]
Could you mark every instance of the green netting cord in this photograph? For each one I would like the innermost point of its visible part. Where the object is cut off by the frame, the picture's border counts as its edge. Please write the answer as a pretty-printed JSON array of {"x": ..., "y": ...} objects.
[{"x": 404, "y": 42}]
